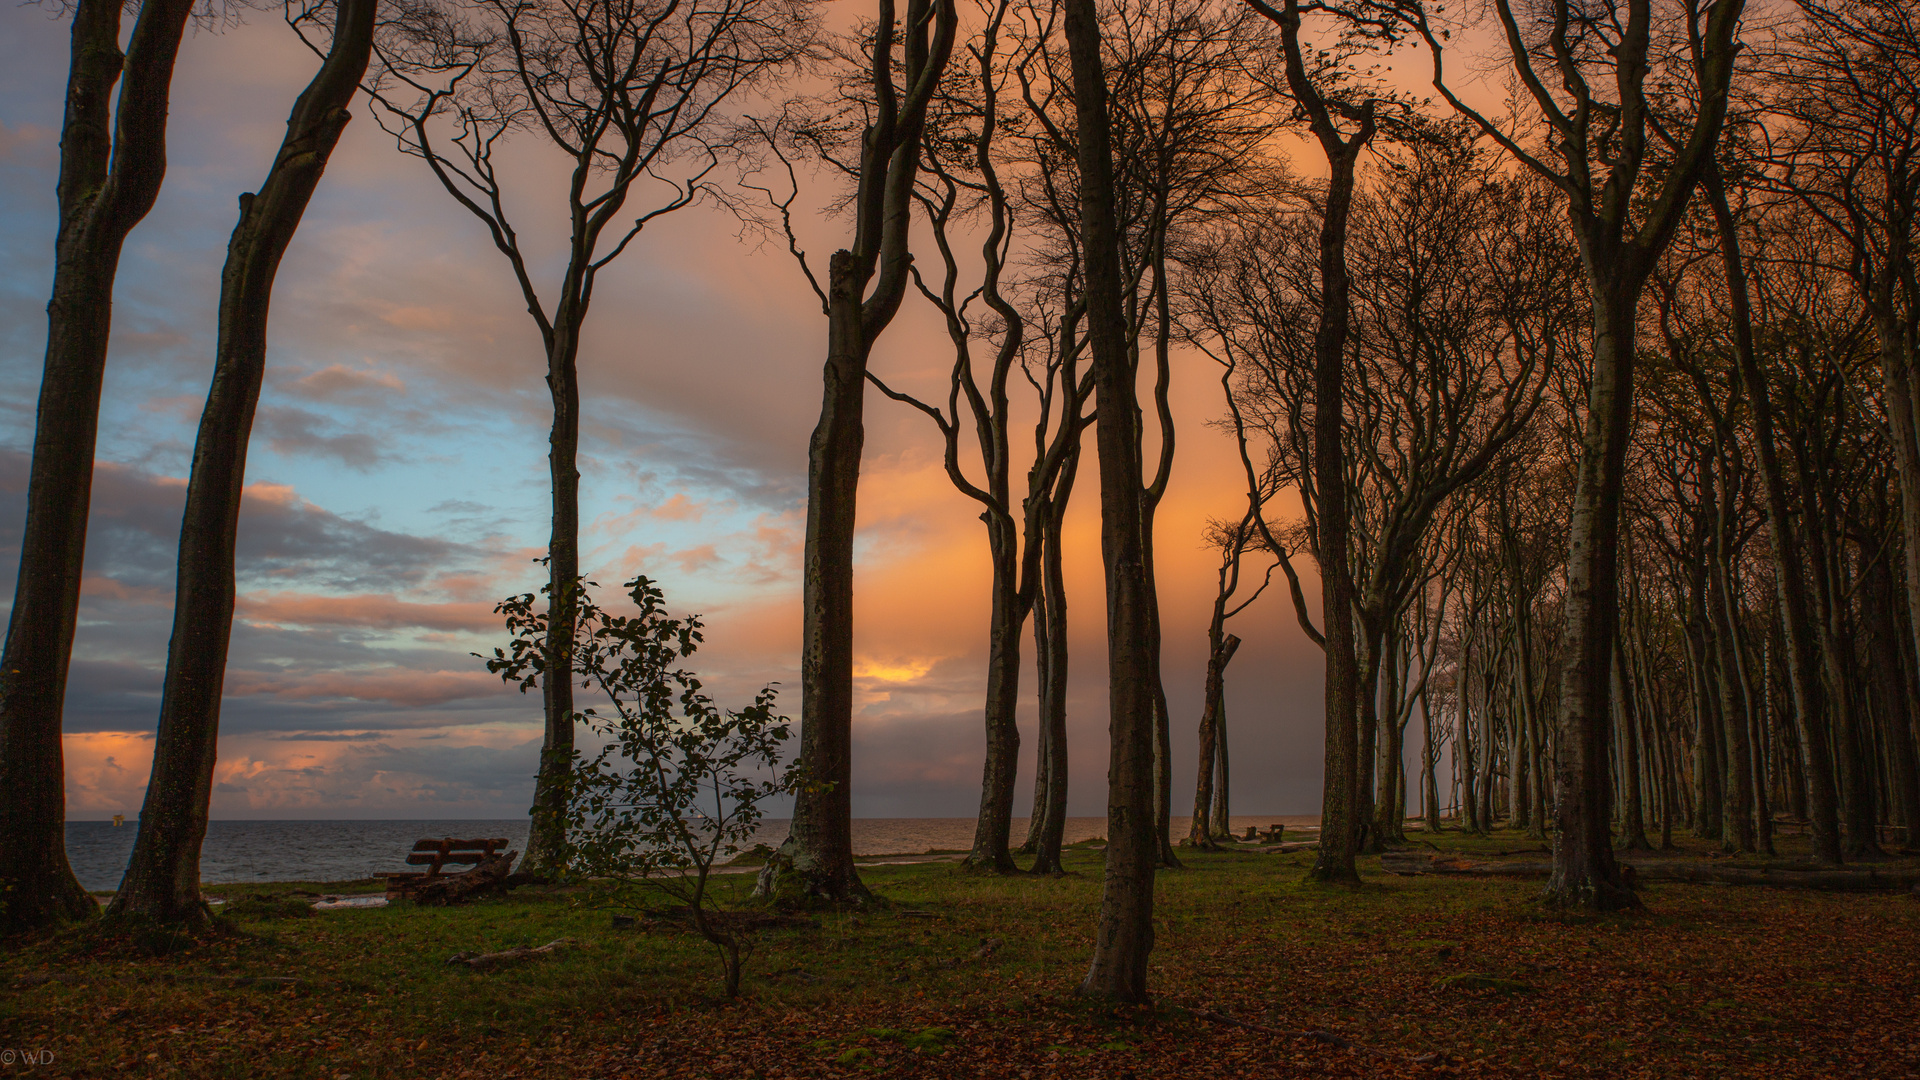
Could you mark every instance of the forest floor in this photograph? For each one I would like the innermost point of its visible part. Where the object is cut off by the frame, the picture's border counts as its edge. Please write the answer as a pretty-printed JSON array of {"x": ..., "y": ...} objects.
[{"x": 1402, "y": 976}]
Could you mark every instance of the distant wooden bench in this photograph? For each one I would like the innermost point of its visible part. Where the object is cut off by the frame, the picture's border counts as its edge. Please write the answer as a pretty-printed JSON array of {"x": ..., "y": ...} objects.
[
  {"x": 435, "y": 855},
  {"x": 1273, "y": 836}
]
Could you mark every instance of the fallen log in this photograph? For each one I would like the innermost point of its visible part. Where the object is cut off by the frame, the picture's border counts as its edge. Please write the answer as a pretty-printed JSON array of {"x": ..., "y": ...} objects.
[
  {"x": 1869, "y": 879},
  {"x": 509, "y": 956}
]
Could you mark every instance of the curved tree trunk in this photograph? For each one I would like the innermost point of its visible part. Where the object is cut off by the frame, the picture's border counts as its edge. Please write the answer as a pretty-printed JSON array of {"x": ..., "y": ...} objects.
[
  {"x": 163, "y": 878},
  {"x": 112, "y": 162}
]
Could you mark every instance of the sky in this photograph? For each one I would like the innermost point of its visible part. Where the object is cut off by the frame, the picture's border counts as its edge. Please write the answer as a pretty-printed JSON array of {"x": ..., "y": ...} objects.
[{"x": 397, "y": 484}]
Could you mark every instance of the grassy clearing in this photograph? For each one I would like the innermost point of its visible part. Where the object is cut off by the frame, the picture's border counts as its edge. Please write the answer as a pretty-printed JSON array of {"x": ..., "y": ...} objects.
[{"x": 968, "y": 976}]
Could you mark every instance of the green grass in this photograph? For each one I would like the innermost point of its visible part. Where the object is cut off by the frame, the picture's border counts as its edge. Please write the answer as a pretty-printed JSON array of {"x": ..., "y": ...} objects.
[{"x": 1708, "y": 981}]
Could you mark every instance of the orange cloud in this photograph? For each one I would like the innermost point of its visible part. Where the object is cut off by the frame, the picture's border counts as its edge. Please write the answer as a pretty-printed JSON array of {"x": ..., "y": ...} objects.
[
  {"x": 680, "y": 508},
  {"x": 106, "y": 771}
]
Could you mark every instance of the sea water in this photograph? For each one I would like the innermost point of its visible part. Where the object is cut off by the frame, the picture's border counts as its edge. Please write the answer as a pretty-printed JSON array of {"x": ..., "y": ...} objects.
[{"x": 243, "y": 851}]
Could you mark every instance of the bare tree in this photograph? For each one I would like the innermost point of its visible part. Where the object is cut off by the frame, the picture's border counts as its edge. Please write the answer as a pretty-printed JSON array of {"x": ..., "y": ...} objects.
[
  {"x": 633, "y": 93},
  {"x": 1210, "y": 822},
  {"x": 1847, "y": 82},
  {"x": 968, "y": 126},
  {"x": 904, "y": 62},
  {"x": 1343, "y": 117},
  {"x": 1615, "y": 144},
  {"x": 1192, "y": 124},
  {"x": 113, "y": 158}
]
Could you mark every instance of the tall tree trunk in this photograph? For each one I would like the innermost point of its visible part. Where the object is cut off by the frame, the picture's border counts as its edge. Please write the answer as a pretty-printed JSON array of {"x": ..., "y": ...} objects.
[
  {"x": 1488, "y": 750},
  {"x": 1737, "y": 768},
  {"x": 992, "y": 831},
  {"x": 1222, "y": 816},
  {"x": 1042, "y": 743},
  {"x": 1342, "y": 798},
  {"x": 1124, "y": 937},
  {"x": 1519, "y": 761},
  {"x": 1897, "y": 363},
  {"x": 1429, "y": 757},
  {"x": 1585, "y": 874},
  {"x": 1815, "y": 760},
  {"x": 1162, "y": 723},
  {"x": 1843, "y": 706},
  {"x": 820, "y": 841},
  {"x": 547, "y": 827},
  {"x": 1633, "y": 833},
  {"x": 816, "y": 861},
  {"x": 112, "y": 162},
  {"x": 1466, "y": 752},
  {"x": 1048, "y": 827},
  {"x": 1390, "y": 808},
  {"x": 163, "y": 878},
  {"x": 1151, "y": 494}
]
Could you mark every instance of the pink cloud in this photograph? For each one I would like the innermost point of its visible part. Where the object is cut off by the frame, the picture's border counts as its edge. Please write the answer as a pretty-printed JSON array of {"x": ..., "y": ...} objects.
[
  {"x": 695, "y": 558},
  {"x": 106, "y": 588},
  {"x": 337, "y": 380},
  {"x": 680, "y": 508}
]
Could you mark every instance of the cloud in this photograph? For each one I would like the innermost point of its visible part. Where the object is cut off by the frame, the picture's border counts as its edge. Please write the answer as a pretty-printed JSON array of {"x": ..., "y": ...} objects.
[
  {"x": 28, "y": 145},
  {"x": 336, "y": 382},
  {"x": 299, "y": 432},
  {"x": 367, "y": 610},
  {"x": 680, "y": 508},
  {"x": 393, "y": 686}
]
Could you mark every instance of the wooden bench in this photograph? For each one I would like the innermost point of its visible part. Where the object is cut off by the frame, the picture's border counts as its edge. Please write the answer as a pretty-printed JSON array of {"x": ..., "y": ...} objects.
[{"x": 435, "y": 855}]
